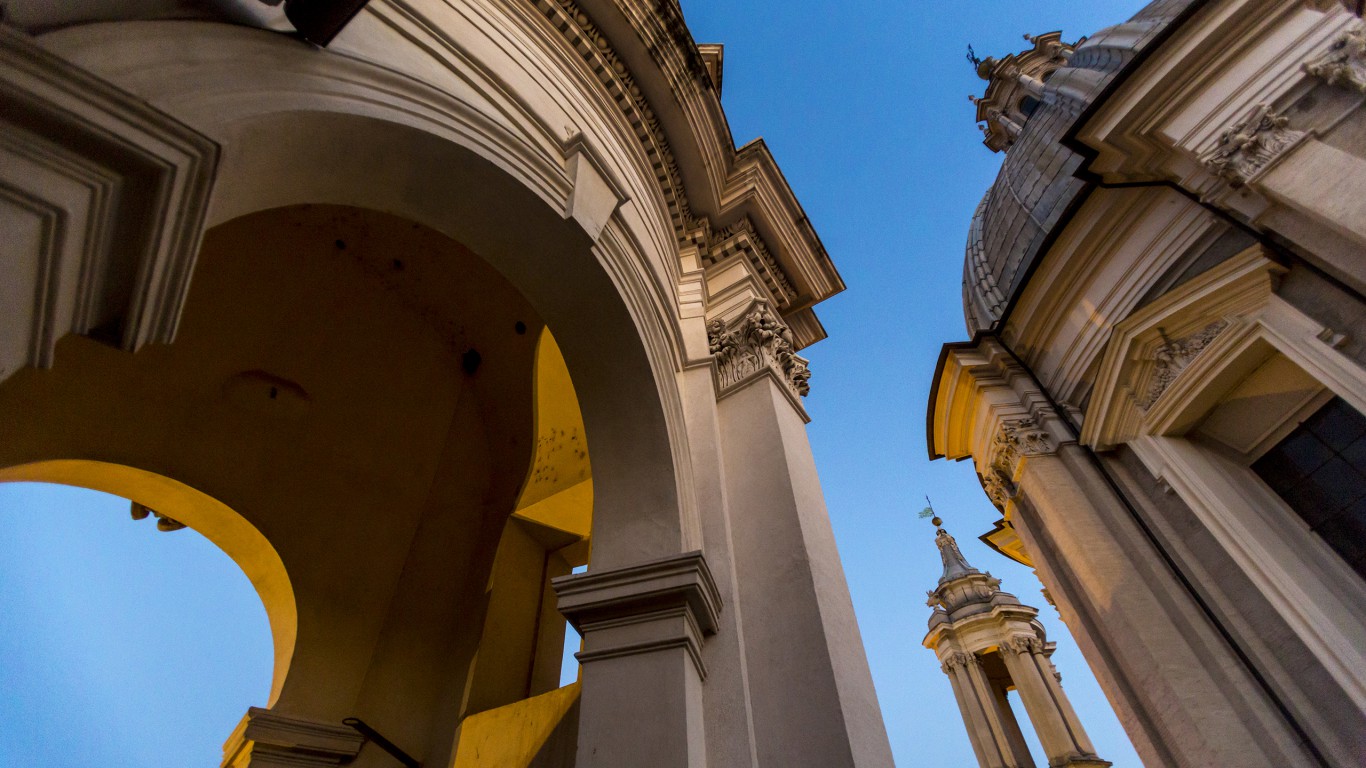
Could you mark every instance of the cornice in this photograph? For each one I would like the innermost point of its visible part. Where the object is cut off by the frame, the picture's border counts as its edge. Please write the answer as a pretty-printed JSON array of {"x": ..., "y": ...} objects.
[{"x": 708, "y": 185}]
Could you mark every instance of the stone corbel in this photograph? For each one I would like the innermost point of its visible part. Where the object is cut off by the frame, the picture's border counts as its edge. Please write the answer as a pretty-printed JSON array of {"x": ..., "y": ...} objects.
[
  {"x": 266, "y": 739},
  {"x": 654, "y": 606},
  {"x": 1344, "y": 63},
  {"x": 594, "y": 194}
]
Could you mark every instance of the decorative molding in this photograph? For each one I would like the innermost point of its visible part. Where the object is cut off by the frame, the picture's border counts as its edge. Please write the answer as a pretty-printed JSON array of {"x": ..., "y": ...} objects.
[
  {"x": 266, "y": 739},
  {"x": 1344, "y": 63},
  {"x": 1013, "y": 440},
  {"x": 668, "y": 603},
  {"x": 690, "y": 228},
  {"x": 598, "y": 53},
  {"x": 1173, "y": 357},
  {"x": 999, "y": 488},
  {"x": 758, "y": 342},
  {"x": 1250, "y": 145},
  {"x": 740, "y": 239},
  {"x": 1129, "y": 397},
  {"x": 120, "y": 190}
]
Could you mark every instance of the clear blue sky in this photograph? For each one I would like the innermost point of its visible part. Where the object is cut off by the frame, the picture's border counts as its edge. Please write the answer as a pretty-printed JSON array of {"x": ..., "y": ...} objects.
[{"x": 150, "y": 646}]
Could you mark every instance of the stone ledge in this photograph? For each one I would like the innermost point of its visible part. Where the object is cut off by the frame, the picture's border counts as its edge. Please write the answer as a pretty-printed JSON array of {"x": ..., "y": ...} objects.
[
  {"x": 266, "y": 739},
  {"x": 659, "y": 605}
]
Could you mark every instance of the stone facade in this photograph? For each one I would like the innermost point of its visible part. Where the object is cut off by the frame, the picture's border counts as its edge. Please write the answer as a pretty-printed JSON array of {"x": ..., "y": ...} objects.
[{"x": 1165, "y": 285}]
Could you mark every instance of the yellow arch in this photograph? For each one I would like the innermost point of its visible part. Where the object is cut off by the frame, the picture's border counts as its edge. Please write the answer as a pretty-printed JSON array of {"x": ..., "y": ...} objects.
[{"x": 216, "y": 521}]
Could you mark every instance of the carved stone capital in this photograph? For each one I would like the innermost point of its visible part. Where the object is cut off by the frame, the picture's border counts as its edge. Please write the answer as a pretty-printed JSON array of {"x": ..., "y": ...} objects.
[
  {"x": 999, "y": 488},
  {"x": 266, "y": 739},
  {"x": 654, "y": 606},
  {"x": 1344, "y": 63},
  {"x": 955, "y": 660},
  {"x": 1173, "y": 357},
  {"x": 1250, "y": 145},
  {"x": 756, "y": 343},
  {"x": 1023, "y": 644}
]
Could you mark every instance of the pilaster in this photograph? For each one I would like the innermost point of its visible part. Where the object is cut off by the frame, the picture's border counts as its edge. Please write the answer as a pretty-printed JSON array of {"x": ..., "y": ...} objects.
[
  {"x": 266, "y": 739},
  {"x": 810, "y": 688},
  {"x": 643, "y": 627}
]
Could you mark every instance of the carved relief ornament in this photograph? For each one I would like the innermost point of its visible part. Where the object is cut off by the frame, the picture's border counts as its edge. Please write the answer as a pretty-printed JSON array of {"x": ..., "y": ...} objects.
[
  {"x": 1174, "y": 356},
  {"x": 756, "y": 342},
  {"x": 1014, "y": 438},
  {"x": 1344, "y": 63},
  {"x": 1250, "y": 145}
]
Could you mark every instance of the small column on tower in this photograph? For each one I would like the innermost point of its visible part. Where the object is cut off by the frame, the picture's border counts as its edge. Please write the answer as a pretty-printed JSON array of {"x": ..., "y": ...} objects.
[{"x": 988, "y": 643}]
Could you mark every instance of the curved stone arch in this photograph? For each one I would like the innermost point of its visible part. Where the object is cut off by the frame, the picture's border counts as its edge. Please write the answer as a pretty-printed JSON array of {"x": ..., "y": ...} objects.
[
  {"x": 295, "y": 131},
  {"x": 213, "y": 519}
]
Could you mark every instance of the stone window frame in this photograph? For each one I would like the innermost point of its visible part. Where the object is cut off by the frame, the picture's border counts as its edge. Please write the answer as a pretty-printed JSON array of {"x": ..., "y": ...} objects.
[{"x": 1314, "y": 590}]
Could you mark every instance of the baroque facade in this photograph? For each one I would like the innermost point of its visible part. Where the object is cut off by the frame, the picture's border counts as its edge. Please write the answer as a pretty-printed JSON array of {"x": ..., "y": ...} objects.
[
  {"x": 413, "y": 307},
  {"x": 1164, "y": 388}
]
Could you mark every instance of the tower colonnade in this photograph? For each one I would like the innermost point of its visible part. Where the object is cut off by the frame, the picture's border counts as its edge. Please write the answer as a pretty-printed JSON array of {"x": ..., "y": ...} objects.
[{"x": 988, "y": 644}]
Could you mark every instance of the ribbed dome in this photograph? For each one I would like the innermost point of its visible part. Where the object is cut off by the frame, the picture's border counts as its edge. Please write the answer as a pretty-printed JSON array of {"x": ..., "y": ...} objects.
[{"x": 1037, "y": 185}]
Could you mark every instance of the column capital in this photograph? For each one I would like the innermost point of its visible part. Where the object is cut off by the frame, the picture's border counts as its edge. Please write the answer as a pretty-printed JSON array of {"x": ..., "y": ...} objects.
[
  {"x": 1023, "y": 644},
  {"x": 754, "y": 344},
  {"x": 957, "y": 660},
  {"x": 667, "y": 603},
  {"x": 266, "y": 739}
]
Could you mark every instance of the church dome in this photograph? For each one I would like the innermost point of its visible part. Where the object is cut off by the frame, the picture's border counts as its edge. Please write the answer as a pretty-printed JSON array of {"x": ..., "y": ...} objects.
[{"x": 1033, "y": 101}]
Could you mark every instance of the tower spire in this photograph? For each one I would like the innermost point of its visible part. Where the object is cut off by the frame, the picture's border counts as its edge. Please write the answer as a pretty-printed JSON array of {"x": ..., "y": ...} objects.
[{"x": 955, "y": 565}]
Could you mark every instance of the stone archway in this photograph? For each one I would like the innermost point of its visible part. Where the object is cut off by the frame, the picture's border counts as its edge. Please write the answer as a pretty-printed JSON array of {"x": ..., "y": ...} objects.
[
  {"x": 213, "y": 519},
  {"x": 295, "y": 130}
]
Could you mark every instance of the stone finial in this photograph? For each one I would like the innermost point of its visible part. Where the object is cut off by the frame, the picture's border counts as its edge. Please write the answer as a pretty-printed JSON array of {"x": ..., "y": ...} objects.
[
  {"x": 955, "y": 565},
  {"x": 1015, "y": 86}
]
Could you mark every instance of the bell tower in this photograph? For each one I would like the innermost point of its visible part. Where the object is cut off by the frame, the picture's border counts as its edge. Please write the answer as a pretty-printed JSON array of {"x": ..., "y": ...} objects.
[{"x": 988, "y": 643}]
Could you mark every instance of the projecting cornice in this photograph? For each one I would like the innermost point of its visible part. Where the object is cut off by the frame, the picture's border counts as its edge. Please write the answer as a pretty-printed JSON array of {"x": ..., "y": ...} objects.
[{"x": 643, "y": 54}]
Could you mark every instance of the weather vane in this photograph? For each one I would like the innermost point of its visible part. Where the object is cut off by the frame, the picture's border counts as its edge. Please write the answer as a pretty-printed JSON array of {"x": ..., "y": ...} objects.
[
  {"x": 928, "y": 511},
  {"x": 972, "y": 57}
]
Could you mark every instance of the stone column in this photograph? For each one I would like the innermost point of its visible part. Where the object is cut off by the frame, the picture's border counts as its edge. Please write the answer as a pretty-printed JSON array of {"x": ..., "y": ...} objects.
[
  {"x": 987, "y": 729},
  {"x": 1064, "y": 742},
  {"x": 810, "y": 688},
  {"x": 1182, "y": 694},
  {"x": 643, "y": 629}
]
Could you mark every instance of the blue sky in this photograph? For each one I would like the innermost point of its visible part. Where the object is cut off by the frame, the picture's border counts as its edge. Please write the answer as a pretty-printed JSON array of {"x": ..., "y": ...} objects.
[{"x": 149, "y": 646}]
